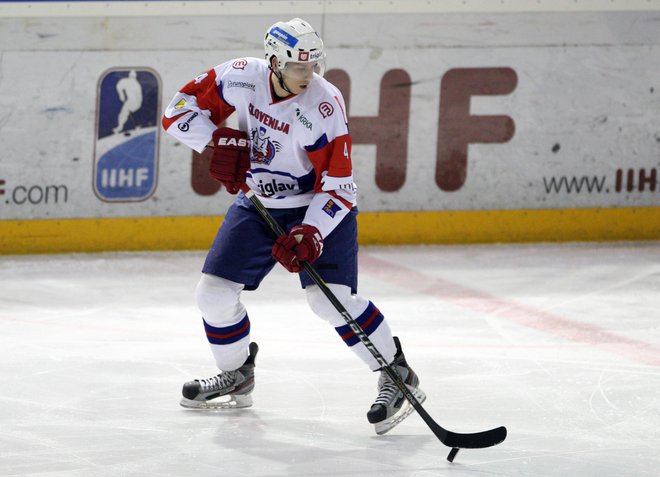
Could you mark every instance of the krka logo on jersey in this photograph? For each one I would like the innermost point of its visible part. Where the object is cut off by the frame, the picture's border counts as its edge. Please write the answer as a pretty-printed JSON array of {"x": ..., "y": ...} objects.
[{"x": 127, "y": 132}]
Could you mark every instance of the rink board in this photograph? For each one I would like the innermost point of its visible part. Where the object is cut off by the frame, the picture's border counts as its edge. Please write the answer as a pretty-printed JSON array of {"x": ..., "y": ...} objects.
[
  {"x": 380, "y": 228},
  {"x": 520, "y": 120}
]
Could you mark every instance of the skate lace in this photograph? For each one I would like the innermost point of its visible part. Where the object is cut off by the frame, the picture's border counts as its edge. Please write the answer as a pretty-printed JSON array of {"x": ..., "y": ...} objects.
[
  {"x": 387, "y": 389},
  {"x": 218, "y": 382}
]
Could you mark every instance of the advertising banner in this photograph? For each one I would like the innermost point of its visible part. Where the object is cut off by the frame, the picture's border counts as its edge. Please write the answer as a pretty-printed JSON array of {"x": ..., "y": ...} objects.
[{"x": 449, "y": 111}]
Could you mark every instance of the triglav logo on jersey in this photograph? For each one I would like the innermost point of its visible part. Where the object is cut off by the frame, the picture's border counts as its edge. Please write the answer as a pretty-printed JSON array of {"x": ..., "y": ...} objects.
[
  {"x": 263, "y": 149},
  {"x": 127, "y": 131}
]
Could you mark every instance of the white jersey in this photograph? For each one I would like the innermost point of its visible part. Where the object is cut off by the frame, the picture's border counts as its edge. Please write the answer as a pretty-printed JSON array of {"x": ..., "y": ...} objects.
[{"x": 300, "y": 145}]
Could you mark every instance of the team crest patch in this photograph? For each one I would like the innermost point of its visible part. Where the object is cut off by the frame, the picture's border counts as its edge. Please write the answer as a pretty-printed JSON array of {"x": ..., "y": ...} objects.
[
  {"x": 127, "y": 132},
  {"x": 263, "y": 148},
  {"x": 331, "y": 208}
]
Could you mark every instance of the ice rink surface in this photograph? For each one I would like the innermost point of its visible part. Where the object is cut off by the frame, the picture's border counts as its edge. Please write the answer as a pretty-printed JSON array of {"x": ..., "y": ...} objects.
[{"x": 560, "y": 343}]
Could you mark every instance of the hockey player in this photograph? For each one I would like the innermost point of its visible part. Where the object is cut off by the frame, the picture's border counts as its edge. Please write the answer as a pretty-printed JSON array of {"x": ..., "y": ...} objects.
[{"x": 293, "y": 149}]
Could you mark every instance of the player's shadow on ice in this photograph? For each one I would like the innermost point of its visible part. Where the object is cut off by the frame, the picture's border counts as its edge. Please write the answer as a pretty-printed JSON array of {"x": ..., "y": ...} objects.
[{"x": 304, "y": 444}]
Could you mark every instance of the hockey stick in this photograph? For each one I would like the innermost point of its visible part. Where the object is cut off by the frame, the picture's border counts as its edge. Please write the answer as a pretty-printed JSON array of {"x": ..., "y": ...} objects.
[{"x": 455, "y": 440}]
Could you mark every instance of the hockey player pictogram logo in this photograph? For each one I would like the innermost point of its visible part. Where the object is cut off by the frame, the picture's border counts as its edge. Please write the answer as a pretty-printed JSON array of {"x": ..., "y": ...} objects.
[
  {"x": 127, "y": 134},
  {"x": 263, "y": 149}
]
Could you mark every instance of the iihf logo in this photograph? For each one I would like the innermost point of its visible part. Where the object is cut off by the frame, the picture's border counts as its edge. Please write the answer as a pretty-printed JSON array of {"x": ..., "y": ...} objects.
[
  {"x": 127, "y": 132},
  {"x": 263, "y": 149}
]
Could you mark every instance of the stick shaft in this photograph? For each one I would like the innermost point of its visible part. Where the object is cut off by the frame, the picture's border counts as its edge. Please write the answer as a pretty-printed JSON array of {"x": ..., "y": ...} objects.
[{"x": 350, "y": 321}]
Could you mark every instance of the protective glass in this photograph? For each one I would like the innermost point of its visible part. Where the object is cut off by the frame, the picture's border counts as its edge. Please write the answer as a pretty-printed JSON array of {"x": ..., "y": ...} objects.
[{"x": 304, "y": 71}]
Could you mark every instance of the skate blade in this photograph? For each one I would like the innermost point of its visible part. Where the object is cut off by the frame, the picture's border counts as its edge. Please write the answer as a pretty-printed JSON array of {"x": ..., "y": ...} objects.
[
  {"x": 232, "y": 401},
  {"x": 405, "y": 411}
]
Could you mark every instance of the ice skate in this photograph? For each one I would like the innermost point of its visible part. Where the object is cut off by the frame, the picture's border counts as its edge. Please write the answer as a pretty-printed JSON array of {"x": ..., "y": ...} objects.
[
  {"x": 391, "y": 407},
  {"x": 227, "y": 390}
]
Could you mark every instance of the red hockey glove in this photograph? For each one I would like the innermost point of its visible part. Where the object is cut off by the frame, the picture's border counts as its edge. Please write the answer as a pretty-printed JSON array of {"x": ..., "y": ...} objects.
[
  {"x": 231, "y": 158},
  {"x": 303, "y": 244}
]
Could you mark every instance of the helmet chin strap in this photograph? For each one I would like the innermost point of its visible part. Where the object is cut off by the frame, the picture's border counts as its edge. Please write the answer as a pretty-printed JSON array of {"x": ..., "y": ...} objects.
[{"x": 280, "y": 79}]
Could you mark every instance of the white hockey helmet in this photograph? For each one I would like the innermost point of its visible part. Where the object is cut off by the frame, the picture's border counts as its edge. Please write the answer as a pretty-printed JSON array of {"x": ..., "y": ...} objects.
[{"x": 295, "y": 41}]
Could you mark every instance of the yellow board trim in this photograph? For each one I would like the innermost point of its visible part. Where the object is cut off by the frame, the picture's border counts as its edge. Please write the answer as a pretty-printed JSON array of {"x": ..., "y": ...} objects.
[
  {"x": 375, "y": 228},
  {"x": 509, "y": 226}
]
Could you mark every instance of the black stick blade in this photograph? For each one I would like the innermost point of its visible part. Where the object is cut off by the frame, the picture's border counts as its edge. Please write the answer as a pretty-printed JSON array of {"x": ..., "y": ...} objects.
[{"x": 477, "y": 440}]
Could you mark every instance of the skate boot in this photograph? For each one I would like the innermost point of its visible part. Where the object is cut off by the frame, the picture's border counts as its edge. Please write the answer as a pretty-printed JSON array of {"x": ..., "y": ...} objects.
[
  {"x": 227, "y": 390},
  {"x": 391, "y": 407}
]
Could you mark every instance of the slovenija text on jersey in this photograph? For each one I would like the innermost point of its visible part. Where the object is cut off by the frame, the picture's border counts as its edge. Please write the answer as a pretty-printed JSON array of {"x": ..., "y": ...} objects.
[{"x": 268, "y": 120}]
